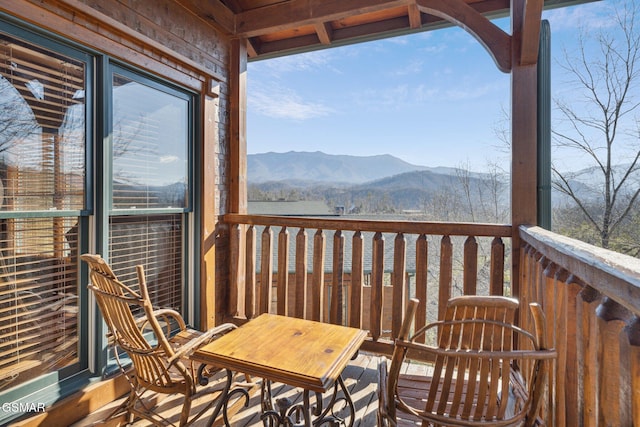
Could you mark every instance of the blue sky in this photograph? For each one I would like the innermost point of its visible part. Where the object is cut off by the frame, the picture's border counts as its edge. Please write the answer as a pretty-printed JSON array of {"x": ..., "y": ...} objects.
[{"x": 432, "y": 99}]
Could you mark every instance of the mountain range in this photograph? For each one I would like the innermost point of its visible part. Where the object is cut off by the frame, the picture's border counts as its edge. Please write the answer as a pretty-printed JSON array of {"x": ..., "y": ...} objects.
[
  {"x": 305, "y": 168},
  {"x": 321, "y": 176}
]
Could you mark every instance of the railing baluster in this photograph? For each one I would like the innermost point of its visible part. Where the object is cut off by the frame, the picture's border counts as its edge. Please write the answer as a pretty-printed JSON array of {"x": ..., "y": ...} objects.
[
  {"x": 317, "y": 285},
  {"x": 422, "y": 268},
  {"x": 337, "y": 281},
  {"x": 557, "y": 394},
  {"x": 377, "y": 277},
  {"x": 496, "y": 275},
  {"x": 590, "y": 300},
  {"x": 266, "y": 270},
  {"x": 398, "y": 283},
  {"x": 250, "y": 273},
  {"x": 446, "y": 275},
  {"x": 301, "y": 275},
  {"x": 615, "y": 407},
  {"x": 234, "y": 270},
  {"x": 470, "y": 273},
  {"x": 633, "y": 334},
  {"x": 357, "y": 276},
  {"x": 574, "y": 370},
  {"x": 283, "y": 271}
]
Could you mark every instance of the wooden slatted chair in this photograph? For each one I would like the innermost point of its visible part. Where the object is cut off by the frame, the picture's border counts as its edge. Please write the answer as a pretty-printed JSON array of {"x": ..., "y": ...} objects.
[
  {"x": 160, "y": 360},
  {"x": 476, "y": 377}
]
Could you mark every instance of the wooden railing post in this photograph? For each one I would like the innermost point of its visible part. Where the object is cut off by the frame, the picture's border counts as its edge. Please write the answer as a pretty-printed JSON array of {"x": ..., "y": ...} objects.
[
  {"x": 589, "y": 299},
  {"x": 446, "y": 275},
  {"x": 317, "y": 281},
  {"x": 615, "y": 407},
  {"x": 377, "y": 277},
  {"x": 250, "y": 274},
  {"x": 422, "y": 268},
  {"x": 496, "y": 274},
  {"x": 633, "y": 334},
  {"x": 357, "y": 280},
  {"x": 283, "y": 272},
  {"x": 300, "y": 302},
  {"x": 337, "y": 282},
  {"x": 234, "y": 269},
  {"x": 573, "y": 377},
  {"x": 398, "y": 283},
  {"x": 470, "y": 272},
  {"x": 266, "y": 270}
]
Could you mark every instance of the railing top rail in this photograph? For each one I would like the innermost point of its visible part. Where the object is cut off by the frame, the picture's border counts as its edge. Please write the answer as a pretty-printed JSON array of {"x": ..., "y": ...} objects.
[
  {"x": 411, "y": 227},
  {"x": 611, "y": 273}
]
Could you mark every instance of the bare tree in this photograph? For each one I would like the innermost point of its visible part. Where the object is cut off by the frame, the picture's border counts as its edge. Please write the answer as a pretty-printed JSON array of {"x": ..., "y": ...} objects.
[{"x": 602, "y": 123}]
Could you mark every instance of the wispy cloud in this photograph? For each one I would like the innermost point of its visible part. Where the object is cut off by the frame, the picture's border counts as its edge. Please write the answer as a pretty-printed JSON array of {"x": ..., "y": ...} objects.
[
  {"x": 309, "y": 61},
  {"x": 585, "y": 17},
  {"x": 282, "y": 103}
]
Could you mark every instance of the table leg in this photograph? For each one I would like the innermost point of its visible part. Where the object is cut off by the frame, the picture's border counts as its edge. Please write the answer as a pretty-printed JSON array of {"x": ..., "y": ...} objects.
[
  {"x": 223, "y": 400},
  {"x": 329, "y": 416},
  {"x": 285, "y": 413}
]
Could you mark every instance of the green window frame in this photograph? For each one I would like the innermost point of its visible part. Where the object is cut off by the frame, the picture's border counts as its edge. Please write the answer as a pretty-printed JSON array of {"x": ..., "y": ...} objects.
[{"x": 134, "y": 208}]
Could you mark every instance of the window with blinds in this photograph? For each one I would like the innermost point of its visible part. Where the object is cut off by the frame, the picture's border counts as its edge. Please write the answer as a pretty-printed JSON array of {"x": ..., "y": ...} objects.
[
  {"x": 156, "y": 243},
  {"x": 151, "y": 135},
  {"x": 42, "y": 191},
  {"x": 150, "y": 145}
]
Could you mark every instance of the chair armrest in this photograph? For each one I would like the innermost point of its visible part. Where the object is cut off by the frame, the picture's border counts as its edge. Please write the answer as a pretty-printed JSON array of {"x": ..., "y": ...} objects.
[
  {"x": 164, "y": 314},
  {"x": 186, "y": 350}
]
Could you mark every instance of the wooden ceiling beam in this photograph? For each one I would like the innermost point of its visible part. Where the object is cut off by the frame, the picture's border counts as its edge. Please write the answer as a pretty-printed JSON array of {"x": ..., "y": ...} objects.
[
  {"x": 496, "y": 41},
  {"x": 296, "y": 13},
  {"x": 531, "y": 32},
  {"x": 212, "y": 11}
]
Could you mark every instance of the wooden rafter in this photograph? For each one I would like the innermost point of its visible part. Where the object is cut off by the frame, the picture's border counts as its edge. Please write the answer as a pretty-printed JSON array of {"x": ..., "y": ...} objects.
[
  {"x": 496, "y": 41},
  {"x": 296, "y": 13}
]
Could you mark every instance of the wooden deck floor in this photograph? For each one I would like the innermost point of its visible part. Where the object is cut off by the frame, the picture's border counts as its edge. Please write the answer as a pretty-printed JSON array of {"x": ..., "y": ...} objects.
[{"x": 361, "y": 378}]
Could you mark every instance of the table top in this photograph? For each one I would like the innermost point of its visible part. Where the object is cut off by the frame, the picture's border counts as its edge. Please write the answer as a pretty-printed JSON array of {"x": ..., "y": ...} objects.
[{"x": 298, "y": 352}]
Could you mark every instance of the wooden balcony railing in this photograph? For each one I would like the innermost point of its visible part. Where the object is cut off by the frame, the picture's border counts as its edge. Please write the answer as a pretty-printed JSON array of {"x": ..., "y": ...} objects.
[
  {"x": 360, "y": 272},
  {"x": 591, "y": 297}
]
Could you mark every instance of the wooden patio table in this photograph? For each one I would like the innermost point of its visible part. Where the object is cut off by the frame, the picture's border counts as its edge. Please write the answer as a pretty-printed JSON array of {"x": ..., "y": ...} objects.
[{"x": 301, "y": 353}]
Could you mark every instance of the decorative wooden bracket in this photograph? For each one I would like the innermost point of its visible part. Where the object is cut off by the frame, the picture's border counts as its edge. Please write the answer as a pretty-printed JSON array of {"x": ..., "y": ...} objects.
[{"x": 496, "y": 41}]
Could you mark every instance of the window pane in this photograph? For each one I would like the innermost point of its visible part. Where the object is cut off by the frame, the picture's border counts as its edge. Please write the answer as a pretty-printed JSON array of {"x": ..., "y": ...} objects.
[
  {"x": 38, "y": 297},
  {"x": 42, "y": 128},
  {"x": 150, "y": 134},
  {"x": 156, "y": 243}
]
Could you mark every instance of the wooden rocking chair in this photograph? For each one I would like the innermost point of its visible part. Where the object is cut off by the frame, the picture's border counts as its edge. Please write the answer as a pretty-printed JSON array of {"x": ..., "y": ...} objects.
[
  {"x": 160, "y": 361},
  {"x": 476, "y": 377}
]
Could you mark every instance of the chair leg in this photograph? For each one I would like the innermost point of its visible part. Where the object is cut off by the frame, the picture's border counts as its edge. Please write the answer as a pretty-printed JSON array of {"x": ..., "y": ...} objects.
[{"x": 186, "y": 408}]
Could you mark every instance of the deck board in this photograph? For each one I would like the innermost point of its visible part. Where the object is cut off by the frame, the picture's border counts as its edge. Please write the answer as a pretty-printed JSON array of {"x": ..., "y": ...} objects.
[{"x": 361, "y": 378}]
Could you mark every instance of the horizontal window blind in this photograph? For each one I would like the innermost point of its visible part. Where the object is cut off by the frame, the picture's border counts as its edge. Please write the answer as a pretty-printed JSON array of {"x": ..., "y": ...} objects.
[
  {"x": 42, "y": 128},
  {"x": 42, "y": 168},
  {"x": 155, "y": 242},
  {"x": 38, "y": 297},
  {"x": 149, "y": 146}
]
